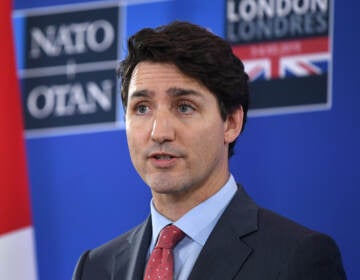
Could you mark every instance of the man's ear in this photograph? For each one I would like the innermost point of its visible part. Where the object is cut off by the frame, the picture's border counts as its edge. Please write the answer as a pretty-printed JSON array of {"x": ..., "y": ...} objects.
[{"x": 233, "y": 125}]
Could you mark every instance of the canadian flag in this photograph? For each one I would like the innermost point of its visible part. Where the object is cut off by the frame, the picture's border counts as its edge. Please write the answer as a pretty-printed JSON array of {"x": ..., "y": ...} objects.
[{"x": 17, "y": 253}]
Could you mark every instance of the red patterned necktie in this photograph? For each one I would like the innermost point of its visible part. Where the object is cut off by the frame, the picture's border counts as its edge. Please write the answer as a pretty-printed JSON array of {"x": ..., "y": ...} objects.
[{"x": 161, "y": 262}]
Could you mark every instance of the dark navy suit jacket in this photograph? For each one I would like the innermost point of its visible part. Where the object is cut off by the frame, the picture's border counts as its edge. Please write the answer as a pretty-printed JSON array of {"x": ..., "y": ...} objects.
[{"x": 247, "y": 243}]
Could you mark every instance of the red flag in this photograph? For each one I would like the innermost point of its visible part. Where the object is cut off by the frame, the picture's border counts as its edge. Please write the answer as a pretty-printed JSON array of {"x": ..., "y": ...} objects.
[{"x": 16, "y": 234}]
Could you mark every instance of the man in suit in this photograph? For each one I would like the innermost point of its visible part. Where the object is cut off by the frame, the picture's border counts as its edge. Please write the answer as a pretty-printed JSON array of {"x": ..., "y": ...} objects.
[{"x": 186, "y": 98}]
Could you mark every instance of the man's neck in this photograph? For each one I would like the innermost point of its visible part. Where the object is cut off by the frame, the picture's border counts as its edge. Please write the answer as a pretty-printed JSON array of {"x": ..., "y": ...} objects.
[{"x": 174, "y": 205}]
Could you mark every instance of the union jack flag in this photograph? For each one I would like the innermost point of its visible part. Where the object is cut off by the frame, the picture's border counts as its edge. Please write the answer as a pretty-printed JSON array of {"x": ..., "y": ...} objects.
[
  {"x": 258, "y": 69},
  {"x": 304, "y": 65},
  {"x": 297, "y": 58}
]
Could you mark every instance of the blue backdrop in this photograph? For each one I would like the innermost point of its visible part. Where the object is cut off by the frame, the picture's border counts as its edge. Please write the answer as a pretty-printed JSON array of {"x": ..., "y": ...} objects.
[{"x": 305, "y": 166}]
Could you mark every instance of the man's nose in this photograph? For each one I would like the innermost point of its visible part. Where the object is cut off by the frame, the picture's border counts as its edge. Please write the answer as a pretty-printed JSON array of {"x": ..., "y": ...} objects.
[{"x": 162, "y": 128}]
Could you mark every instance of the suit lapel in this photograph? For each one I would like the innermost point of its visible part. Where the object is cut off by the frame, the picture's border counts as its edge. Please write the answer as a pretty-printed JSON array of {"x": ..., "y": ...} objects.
[
  {"x": 139, "y": 242},
  {"x": 224, "y": 253}
]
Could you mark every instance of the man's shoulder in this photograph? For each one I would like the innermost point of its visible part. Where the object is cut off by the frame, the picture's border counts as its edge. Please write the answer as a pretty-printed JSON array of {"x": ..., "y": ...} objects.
[
  {"x": 277, "y": 230},
  {"x": 115, "y": 246},
  {"x": 286, "y": 249},
  {"x": 101, "y": 261},
  {"x": 288, "y": 237},
  {"x": 274, "y": 232},
  {"x": 274, "y": 223},
  {"x": 298, "y": 248},
  {"x": 266, "y": 223}
]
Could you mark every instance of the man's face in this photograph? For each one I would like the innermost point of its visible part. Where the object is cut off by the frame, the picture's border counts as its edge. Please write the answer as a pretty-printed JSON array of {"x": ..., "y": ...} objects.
[{"x": 177, "y": 139}]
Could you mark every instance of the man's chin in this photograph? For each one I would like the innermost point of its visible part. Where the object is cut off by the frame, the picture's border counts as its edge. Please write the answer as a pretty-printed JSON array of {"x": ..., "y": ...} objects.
[
  {"x": 165, "y": 189},
  {"x": 167, "y": 186}
]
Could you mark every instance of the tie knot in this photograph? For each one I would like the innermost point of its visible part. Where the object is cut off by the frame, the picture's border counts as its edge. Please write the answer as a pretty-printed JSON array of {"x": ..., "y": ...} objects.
[{"x": 169, "y": 237}]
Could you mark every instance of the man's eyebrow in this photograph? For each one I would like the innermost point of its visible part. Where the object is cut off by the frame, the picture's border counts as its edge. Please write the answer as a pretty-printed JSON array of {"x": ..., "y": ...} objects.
[
  {"x": 140, "y": 93},
  {"x": 175, "y": 91}
]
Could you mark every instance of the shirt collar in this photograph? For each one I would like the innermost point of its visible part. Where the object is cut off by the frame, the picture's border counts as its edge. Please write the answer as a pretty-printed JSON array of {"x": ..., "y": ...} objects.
[{"x": 197, "y": 223}]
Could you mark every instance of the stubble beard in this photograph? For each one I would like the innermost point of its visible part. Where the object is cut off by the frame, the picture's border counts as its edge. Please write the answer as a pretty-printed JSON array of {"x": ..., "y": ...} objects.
[{"x": 170, "y": 185}]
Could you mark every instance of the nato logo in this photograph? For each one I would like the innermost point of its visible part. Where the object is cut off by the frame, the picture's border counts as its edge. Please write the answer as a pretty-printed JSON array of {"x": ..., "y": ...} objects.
[{"x": 67, "y": 61}]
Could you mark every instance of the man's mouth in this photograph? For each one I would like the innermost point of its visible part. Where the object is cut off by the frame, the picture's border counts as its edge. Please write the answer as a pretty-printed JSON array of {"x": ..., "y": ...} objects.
[{"x": 163, "y": 157}]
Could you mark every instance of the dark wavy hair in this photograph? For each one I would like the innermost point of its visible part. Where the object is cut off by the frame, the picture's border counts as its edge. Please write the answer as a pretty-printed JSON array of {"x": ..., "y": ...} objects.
[{"x": 198, "y": 54}]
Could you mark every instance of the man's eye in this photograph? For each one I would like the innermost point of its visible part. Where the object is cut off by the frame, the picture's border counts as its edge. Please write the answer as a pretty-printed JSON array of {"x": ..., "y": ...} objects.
[
  {"x": 142, "y": 109},
  {"x": 185, "y": 108}
]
